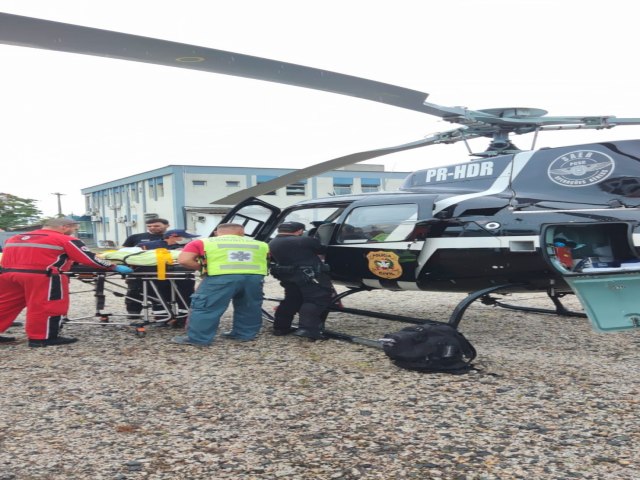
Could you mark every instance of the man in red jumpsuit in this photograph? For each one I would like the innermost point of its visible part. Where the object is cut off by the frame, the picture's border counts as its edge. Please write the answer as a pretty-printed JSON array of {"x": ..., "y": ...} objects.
[{"x": 30, "y": 277}]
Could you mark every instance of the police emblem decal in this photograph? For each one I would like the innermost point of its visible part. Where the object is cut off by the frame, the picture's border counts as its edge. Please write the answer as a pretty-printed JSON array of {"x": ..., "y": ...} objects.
[
  {"x": 581, "y": 168},
  {"x": 384, "y": 264}
]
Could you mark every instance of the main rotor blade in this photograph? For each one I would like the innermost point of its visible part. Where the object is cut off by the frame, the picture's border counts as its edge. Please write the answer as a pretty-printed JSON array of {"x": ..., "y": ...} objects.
[
  {"x": 63, "y": 37},
  {"x": 320, "y": 168},
  {"x": 622, "y": 121}
]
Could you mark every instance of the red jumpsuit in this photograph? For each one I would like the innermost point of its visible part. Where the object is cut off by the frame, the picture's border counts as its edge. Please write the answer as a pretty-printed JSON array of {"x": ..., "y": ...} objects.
[{"x": 30, "y": 277}]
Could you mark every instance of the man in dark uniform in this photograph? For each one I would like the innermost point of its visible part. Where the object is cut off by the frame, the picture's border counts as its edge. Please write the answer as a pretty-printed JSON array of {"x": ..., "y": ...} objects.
[
  {"x": 156, "y": 228},
  {"x": 307, "y": 287}
]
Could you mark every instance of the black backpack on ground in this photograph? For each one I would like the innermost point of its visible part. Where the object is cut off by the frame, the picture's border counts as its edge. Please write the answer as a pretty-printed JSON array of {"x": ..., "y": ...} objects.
[{"x": 431, "y": 347}]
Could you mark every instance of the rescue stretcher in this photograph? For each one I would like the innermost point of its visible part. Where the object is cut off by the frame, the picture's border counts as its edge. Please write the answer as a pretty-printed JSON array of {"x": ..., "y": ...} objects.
[{"x": 103, "y": 282}]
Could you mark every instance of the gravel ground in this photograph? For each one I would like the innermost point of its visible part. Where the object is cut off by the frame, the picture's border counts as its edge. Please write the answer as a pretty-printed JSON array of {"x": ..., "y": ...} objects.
[{"x": 551, "y": 399}]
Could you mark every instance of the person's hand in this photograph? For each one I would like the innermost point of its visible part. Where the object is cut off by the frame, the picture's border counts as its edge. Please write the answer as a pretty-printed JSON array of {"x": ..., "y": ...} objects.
[
  {"x": 173, "y": 240},
  {"x": 123, "y": 269}
]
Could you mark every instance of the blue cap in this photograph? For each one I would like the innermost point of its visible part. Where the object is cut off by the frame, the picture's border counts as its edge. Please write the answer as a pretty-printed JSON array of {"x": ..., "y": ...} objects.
[{"x": 179, "y": 233}]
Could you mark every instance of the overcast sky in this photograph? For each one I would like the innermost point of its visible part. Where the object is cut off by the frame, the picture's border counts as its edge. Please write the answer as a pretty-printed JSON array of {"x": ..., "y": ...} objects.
[{"x": 72, "y": 121}]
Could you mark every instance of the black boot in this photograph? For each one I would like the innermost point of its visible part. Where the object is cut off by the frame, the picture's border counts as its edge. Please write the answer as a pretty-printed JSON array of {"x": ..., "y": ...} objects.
[
  {"x": 281, "y": 332},
  {"x": 313, "y": 336},
  {"x": 7, "y": 339},
  {"x": 52, "y": 341}
]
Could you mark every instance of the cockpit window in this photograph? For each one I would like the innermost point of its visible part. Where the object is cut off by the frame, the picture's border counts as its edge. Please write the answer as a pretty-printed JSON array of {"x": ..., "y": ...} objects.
[{"x": 379, "y": 223}]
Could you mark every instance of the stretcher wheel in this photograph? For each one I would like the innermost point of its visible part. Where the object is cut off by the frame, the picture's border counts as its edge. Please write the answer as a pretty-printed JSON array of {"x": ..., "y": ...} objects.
[
  {"x": 104, "y": 319},
  {"x": 141, "y": 332}
]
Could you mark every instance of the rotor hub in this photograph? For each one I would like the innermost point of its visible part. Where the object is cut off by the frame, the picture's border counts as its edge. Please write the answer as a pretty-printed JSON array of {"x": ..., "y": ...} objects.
[{"x": 515, "y": 112}]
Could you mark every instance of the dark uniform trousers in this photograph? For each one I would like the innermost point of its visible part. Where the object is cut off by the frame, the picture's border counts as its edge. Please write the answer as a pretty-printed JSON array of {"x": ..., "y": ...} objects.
[{"x": 309, "y": 299}]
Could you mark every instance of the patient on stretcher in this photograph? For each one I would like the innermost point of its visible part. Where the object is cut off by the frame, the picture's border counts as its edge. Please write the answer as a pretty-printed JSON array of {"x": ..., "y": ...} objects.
[
  {"x": 136, "y": 256},
  {"x": 160, "y": 262}
]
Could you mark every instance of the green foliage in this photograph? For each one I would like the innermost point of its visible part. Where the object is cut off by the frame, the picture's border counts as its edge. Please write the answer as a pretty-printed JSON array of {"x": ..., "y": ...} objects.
[{"x": 16, "y": 211}]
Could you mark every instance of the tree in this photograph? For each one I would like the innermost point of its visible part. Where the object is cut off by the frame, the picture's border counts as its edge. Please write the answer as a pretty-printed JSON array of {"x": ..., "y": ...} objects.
[{"x": 16, "y": 211}]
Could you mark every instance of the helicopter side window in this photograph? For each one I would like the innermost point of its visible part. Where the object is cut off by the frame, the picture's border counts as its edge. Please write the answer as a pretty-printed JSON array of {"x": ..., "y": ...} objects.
[
  {"x": 252, "y": 218},
  {"x": 379, "y": 223},
  {"x": 312, "y": 218}
]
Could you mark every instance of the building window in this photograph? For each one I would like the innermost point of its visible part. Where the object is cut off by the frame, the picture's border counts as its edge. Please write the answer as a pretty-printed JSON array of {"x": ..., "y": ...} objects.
[
  {"x": 117, "y": 196},
  {"x": 263, "y": 179},
  {"x": 111, "y": 198},
  {"x": 156, "y": 188},
  {"x": 232, "y": 183},
  {"x": 369, "y": 185},
  {"x": 133, "y": 193},
  {"x": 199, "y": 183},
  {"x": 297, "y": 189},
  {"x": 160, "y": 186},
  {"x": 342, "y": 185}
]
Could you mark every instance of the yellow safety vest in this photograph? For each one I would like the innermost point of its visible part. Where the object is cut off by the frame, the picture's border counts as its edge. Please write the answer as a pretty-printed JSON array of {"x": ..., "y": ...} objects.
[{"x": 233, "y": 255}]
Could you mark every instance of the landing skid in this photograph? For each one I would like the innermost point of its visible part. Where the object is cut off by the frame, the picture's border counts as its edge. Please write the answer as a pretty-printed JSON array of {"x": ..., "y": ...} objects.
[
  {"x": 336, "y": 307},
  {"x": 454, "y": 319},
  {"x": 555, "y": 297}
]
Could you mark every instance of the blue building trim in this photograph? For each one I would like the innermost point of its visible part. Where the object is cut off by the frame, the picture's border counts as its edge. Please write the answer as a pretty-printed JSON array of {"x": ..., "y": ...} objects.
[
  {"x": 182, "y": 170},
  {"x": 180, "y": 195},
  {"x": 178, "y": 174}
]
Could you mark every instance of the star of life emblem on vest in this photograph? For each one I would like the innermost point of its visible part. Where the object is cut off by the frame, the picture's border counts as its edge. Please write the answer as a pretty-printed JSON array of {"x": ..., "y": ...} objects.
[
  {"x": 384, "y": 264},
  {"x": 240, "y": 256}
]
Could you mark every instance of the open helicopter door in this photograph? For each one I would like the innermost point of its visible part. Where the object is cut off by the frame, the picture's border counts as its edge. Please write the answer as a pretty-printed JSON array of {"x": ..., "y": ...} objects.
[
  {"x": 600, "y": 264},
  {"x": 378, "y": 240},
  {"x": 257, "y": 217}
]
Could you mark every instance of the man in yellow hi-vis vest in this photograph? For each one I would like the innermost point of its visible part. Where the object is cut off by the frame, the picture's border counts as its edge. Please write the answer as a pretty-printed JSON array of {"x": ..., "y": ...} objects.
[{"x": 234, "y": 271}]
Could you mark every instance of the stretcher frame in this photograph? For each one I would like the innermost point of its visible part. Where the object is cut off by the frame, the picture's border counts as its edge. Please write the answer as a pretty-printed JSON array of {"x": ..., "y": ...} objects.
[{"x": 102, "y": 282}]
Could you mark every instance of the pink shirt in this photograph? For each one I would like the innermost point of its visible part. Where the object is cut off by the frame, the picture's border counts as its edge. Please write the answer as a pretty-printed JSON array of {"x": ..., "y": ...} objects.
[{"x": 195, "y": 246}]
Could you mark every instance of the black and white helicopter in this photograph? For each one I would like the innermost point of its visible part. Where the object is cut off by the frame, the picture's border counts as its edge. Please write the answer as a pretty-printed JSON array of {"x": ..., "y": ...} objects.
[{"x": 558, "y": 220}]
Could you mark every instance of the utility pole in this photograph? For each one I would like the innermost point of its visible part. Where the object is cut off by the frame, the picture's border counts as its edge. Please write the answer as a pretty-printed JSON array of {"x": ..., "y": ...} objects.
[{"x": 59, "y": 204}]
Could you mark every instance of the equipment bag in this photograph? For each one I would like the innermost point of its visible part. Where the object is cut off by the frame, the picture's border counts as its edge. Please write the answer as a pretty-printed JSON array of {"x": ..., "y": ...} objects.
[{"x": 431, "y": 347}]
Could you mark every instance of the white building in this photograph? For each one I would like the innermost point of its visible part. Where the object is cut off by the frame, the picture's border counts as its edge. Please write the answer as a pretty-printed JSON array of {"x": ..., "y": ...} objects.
[{"x": 183, "y": 194}]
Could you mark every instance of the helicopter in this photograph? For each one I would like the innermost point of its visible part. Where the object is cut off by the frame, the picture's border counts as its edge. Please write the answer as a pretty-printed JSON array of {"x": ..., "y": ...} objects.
[{"x": 561, "y": 220}]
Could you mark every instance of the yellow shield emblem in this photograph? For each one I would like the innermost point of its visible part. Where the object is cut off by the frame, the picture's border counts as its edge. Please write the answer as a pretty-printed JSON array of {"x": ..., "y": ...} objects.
[{"x": 384, "y": 264}]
